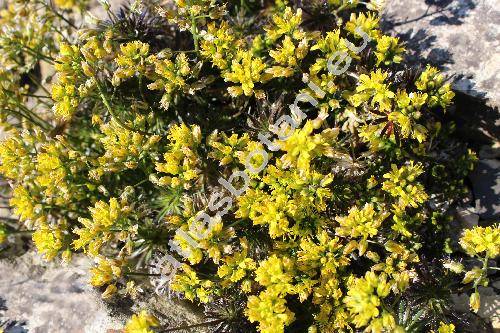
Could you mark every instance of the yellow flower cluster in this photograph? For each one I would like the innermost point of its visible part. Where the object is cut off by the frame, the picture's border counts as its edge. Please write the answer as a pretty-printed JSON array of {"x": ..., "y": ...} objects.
[
  {"x": 97, "y": 230},
  {"x": 15, "y": 155},
  {"x": 181, "y": 159},
  {"x": 400, "y": 183},
  {"x": 55, "y": 165},
  {"x": 141, "y": 323},
  {"x": 302, "y": 146},
  {"x": 170, "y": 77},
  {"x": 432, "y": 82},
  {"x": 48, "y": 240},
  {"x": 65, "y": 92},
  {"x": 445, "y": 328},
  {"x": 482, "y": 241},
  {"x": 269, "y": 311},
  {"x": 146, "y": 154},
  {"x": 24, "y": 204},
  {"x": 246, "y": 70},
  {"x": 389, "y": 50},
  {"x": 269, "y": 307},
  {"x": 218, "y": 44},
  {"x": 361, "y": 223},
  {"x": 131, "y": 61},
  {"x": 192, "y": 286},
  {"x": 237, "y": 267},
  {"x": 364, "y": 300},
  {"x": 294, "y": 197},
  {"x": 373, "y": 87},
  {"x": 124, "y": 149}
]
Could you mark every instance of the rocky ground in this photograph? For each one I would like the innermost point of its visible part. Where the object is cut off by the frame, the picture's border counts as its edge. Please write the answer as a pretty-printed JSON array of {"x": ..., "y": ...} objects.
[
  {"x": 459, "y": 36},
  {"x": 40, "y": 297}
]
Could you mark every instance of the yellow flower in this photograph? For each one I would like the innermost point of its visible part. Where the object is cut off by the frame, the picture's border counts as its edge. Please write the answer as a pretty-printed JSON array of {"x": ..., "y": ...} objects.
[
  {"x": 23, "y": 203},
  {"x": 289, "y": 54},
  {"x": 482, "y": 241},
  {"x": 367, "y": 22},
  {"x": 373, "y": 86},
  {"x": 286, "y": 22},
  {"x": 219, "y": 44},
  {"x": 364, "y": 301},
  {"x": 389, "y": 50},
  {"x": 247, "y": 70},
  {"x": 237, "y": 267},
  {"x": 124, "y": 148},
  {"x": 192, "y": 287},
  {"x": 445, "y": 328},
  {"x": 401, "y": 184},
  {"x": 65, "y": 92},
  {"x": 363, "y": 222},
  {"x": 15, "y": 155},
  {"x": 141, "y": 323},
  {"x": 48, "y": 240},
  {"x": 170, "y": 77},
  {"x": 95, "y": 231},
  {"x": 270, "y": 311},
  {"x": 276, "y": 273},
  {"x": 438, "y": 92},
  {"x": 131, "y": 60},
  {"x": 181, "y": 159},
  {"x": 302, "y": 146},
  {"x": 106, "y": 271},
  {"x": 475, "y": 301},
  {"x": 65, "y": 4}
]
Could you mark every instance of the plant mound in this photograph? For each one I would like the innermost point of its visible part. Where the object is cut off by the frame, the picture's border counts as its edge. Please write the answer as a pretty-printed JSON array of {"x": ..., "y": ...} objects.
[{"x": 273, "y": 161}]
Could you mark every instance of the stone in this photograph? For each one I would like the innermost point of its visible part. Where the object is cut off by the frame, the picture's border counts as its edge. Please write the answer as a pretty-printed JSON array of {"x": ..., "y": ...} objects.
[
  {"x": 490, "y": 151},
  {"x": 468, "y": 217},
  {"x": 462, "y": 37},
  {"x": 486, "y": 188},
  {"x": 41, "y": 297},
  {"x": 38, "y": 298},
  {"x": 489, "y": 309}
]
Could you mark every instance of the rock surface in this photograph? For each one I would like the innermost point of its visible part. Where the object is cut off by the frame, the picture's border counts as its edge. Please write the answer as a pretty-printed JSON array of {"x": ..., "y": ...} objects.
[
  {"x": 460, "y": 36},
  {"x": 40, "y": 298},
  {"x": 486, "y": 187}
]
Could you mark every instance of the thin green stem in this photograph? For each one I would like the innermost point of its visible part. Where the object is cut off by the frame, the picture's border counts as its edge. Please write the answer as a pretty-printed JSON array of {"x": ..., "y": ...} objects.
[
  {"x": 194, "y": 32},
  {"x": 46, "y": 124},
  {"x": 113, "y": 114},
  {"x": 27, "y": 117},
  {"x": 484, "y": 272},
  {"x": 140, "y": 183},
  {"x": 42, "y": 56}
]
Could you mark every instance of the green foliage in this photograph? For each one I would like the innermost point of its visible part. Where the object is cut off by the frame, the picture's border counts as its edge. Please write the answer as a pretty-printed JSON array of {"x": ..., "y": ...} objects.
[{"x": 323, "y": 191}]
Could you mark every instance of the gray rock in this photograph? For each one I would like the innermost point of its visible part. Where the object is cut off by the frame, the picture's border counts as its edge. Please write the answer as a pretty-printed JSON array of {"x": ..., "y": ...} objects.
[
  {"x": 462, "y": 37},
  {"x": 486, "y": 187},
  {"x": 41, "y": 297},
  {"x": 490, "y": 151},
  {"x": 468, "y": 217},
  {"x": 489, "y": 309}
]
